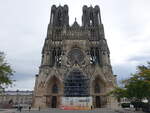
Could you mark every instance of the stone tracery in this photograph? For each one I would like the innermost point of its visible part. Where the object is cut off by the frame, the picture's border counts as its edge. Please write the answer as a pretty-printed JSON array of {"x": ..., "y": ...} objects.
[{"x": 80, "y": 51}]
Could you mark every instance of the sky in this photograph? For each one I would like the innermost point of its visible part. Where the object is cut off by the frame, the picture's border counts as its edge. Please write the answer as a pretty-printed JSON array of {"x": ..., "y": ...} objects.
[{"x": 23, "y": 28}]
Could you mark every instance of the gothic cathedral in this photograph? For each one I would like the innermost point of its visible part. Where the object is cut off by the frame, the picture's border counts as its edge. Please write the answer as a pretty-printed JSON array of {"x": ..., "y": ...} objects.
[{"x": 75, "y": 61}]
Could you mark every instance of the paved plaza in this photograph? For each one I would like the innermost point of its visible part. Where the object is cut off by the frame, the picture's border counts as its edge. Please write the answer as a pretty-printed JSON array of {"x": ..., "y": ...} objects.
[
  {"x": 59, "y": 111},
  {"x": 102, "y": 110}
]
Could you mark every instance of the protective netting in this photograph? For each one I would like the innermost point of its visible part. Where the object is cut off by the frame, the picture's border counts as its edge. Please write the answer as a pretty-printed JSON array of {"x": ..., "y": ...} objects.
[{"x": 76, "y": 84}]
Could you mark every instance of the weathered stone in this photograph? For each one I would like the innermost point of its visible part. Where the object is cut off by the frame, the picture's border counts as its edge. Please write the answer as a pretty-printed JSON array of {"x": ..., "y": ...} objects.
[{"x": 66, "y": 48}]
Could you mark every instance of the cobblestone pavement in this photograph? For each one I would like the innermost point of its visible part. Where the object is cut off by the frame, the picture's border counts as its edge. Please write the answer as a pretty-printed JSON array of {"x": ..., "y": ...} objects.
[
  {"x": 102, "y": 110},
  {"x": 60, "y": 111}
]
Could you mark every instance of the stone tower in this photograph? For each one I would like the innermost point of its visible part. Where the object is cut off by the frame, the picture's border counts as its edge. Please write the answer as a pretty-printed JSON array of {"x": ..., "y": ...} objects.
[{"x": 75, "y": 60}]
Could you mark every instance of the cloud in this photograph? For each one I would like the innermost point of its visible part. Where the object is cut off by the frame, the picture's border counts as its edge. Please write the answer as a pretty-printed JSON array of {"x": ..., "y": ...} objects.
[
  {"x": 23, "y": 84},
  {"x": 139, "y": 59}
]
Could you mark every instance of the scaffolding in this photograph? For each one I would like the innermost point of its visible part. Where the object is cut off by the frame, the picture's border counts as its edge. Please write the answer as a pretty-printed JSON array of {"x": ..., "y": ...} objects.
[{"x": 76, "y": 84}]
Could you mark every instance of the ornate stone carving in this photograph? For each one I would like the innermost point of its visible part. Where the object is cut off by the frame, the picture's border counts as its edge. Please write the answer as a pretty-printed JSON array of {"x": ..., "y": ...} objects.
[
  {"x": 67, "y": 48},
  {"x": 76, "y": 56}
]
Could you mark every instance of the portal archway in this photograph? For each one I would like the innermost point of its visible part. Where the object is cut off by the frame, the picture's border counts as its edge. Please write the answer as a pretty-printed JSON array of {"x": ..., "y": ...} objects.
[
  {"x": 54, "y": 85},
  {"x": 98, "y": 85},
  {"x": 97, "y": 101},
  {"x": 53, "y": 89},
  {"x": 98, "y": 89},
  {"x": 76, "y": 84}
]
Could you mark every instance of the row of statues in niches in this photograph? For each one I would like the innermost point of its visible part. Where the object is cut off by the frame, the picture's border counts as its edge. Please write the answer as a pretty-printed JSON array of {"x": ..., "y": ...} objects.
[{"x": 75, "y": 56}]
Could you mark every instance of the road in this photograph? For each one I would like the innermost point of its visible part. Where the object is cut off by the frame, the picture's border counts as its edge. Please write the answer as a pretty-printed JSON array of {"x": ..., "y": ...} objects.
[{"x": 101, "y": 110}]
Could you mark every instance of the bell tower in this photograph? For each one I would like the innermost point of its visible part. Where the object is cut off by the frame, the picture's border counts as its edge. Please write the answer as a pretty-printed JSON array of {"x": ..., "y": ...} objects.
[
  {"x": 75, "y": 62},
  {"x": 91, "y": 16},
  {"x": 59, "y": 16}
]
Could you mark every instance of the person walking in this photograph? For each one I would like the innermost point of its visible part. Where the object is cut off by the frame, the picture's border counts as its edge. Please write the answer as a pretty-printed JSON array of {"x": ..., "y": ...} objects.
[
  {"x": 20, "y": 108},
  {"x": 29, "y": 108},
  {"x": 39, "y": 108}
]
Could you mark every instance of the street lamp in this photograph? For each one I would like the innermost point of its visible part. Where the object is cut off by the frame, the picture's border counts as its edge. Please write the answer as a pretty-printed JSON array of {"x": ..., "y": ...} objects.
[{"x": 17, "y": 98}]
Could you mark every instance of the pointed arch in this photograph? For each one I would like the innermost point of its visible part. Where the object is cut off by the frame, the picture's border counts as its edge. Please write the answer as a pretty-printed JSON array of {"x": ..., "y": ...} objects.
[
  {"x": 98, "y": 85},
  {"x": 53, "y": 85},
  {"x": 54, "y": 88},
  {"x": 97, "y": 88},
  {"x": 76, "y": 84}
]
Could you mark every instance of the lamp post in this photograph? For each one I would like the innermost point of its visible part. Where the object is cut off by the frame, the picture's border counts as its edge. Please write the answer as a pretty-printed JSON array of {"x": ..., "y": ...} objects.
[{"x": 17, "y": 98}]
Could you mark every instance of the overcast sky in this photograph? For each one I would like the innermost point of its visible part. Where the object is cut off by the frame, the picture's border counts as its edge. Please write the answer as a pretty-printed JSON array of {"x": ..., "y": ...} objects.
[{"x": 23, "y": 28}]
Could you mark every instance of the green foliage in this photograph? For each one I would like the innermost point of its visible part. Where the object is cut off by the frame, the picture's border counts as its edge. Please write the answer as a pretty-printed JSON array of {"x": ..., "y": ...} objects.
[
  {"x": 6, "y": 72},
  {"x": 118, "y": 93},
  {"x": 137, "y": 87}
]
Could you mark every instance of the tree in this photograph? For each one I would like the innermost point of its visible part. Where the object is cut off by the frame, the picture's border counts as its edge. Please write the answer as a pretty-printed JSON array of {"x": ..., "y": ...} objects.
[
  {"x": 137, "y": 90},
  {"x": 137, "y": 87},
  {"x": 6, "y": 72},
  {"x": 118, "y": 93}
]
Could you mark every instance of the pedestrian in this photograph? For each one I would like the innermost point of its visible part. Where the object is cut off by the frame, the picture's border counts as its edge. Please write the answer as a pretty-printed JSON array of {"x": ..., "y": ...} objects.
[
  {"x": 39, "y": 108},
  {"x": 20, "y": 108},
  {"x": 29, "y": 108},
  {"x": 17, "y": 108}
]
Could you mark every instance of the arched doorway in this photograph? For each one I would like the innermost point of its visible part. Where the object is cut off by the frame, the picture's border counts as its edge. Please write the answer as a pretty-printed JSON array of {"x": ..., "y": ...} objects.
[
  {"x": 54, "y": 102},
  {"x": 97, "y": 98},
  {"x": 76, "y": 84},
  {"x": 98, "y": 86},
  {"x": 53, "y": 92},
  {"x": 54, "y": 88},
  {"x": 97, "y": 102},
  {"x": 54, "y": 98}
]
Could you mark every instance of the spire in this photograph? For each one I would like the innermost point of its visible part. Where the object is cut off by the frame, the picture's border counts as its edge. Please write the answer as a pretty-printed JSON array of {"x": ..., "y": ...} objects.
[{"x": 75, "y": 24}]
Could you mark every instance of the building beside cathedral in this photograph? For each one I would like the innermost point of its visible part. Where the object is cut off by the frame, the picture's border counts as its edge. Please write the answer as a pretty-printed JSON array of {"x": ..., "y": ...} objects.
[
  {"x": 13, "y": 99},
  {"x": 75, "y": 62}
]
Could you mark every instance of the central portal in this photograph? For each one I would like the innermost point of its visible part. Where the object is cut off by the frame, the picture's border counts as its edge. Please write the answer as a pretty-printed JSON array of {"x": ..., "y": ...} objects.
[
  {"x": 76, "y": 91},
  {"x": 76, "y": 84}
]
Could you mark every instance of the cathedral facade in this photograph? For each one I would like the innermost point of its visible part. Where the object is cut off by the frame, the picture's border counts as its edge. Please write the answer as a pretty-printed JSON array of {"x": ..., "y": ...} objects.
[{"x": 75, "y": 61}]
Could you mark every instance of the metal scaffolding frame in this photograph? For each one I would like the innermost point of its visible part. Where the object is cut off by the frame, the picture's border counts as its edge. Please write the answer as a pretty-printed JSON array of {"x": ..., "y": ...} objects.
[{"x": 76, "y": 84}]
